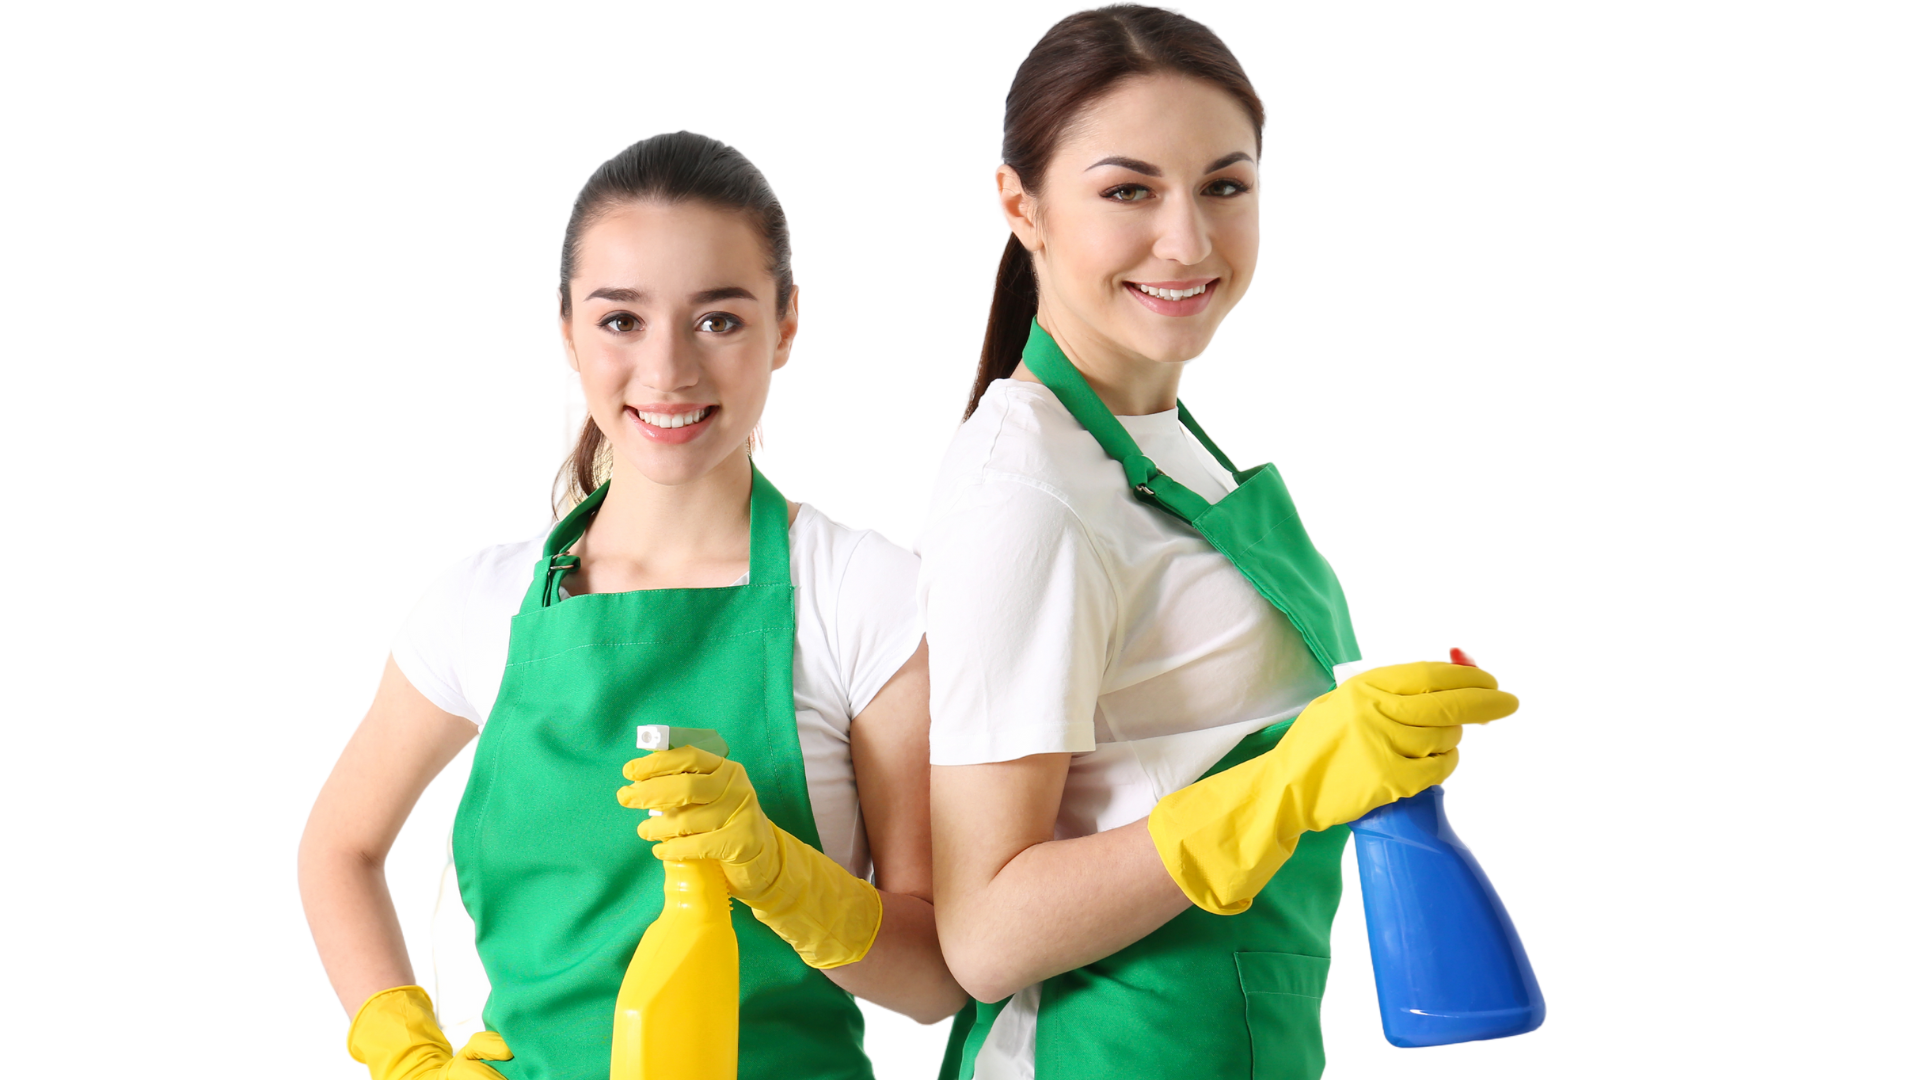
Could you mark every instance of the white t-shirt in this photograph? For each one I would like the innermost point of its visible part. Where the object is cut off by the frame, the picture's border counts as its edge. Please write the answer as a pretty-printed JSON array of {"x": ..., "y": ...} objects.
[
  {"x": 855, "y": 625},
  {"x": 1064, "y": 615}
]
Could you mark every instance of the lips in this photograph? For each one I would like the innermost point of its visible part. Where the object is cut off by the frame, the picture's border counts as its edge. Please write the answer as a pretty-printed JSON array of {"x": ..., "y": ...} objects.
[
  {"x": 1174, "y": 298},
  {"x": 671, "y": 423}
]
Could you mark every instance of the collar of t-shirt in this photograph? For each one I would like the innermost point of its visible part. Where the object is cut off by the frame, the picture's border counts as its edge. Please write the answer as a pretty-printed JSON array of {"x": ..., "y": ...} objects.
[
  {"x": 1163, "y": 437},
  {"x": 565, "y": 595}
]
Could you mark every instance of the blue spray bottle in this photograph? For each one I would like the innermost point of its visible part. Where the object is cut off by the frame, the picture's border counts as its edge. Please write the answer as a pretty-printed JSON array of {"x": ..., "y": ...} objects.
[{"x": 1447, "y": 963}]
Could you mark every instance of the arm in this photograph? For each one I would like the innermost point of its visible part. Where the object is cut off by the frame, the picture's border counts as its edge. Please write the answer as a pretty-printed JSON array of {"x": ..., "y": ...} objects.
[
  {"x": 398, "y": 749},
  {"x": 1016, "y": 906},
  {"x": 904, "y": 971}
]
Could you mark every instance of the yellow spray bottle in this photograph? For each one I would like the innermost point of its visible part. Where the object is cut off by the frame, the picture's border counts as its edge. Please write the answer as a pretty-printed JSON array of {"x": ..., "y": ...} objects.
[{"x": 677, "y": 1016}]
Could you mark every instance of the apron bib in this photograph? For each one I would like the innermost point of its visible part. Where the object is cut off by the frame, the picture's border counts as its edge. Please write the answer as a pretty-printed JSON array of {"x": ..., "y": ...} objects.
[
  {"x": 1222, "y": 996},
  {"x": 559, "y": 887}
]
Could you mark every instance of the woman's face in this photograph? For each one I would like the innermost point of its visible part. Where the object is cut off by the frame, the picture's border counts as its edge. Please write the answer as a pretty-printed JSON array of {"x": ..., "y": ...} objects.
[
  {"x": 1148, "y": 224},
  {"x": 674, "y": 334}
]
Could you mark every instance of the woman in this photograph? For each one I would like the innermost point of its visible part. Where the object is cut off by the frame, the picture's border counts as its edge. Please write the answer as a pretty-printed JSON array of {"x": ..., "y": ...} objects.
[
  {"x": 1122, "y": 626},
  {"x": 681, "y": 589}
]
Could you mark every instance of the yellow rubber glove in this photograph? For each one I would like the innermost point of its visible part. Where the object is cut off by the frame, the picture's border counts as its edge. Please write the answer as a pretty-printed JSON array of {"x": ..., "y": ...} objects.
[
  {"x": 394, "y": 1035},
  {"x": 1382, "y": 735},
  {"x": 709, "y": 811}
]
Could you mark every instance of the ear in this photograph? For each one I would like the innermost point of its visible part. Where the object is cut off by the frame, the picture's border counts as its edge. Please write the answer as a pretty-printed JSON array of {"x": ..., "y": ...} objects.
[
  {"x": 789, "y": 326},
  {"x": 561, "y": 325},
  {"x": 1020, "y": 208}
]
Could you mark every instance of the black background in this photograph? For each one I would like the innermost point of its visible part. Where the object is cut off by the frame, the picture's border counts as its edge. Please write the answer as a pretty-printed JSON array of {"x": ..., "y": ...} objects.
[{"x": 1417, "y": 354}]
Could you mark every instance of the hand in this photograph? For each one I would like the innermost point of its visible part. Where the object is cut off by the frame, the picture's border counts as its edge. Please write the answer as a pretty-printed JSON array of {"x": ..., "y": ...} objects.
[
  {"x": 396, "y": 1037},
  {"x": 708, "y": 810},
  {"x": 1382, "y": 735}
]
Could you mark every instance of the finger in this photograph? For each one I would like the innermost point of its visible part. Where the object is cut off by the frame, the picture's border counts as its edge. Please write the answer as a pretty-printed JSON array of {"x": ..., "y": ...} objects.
[
  {"x": 686, "y": 821},
  {"x": 684, "y": 759},
  {"x": 674, "y": 790},
  {"x": 1426, "y": 677},
  {"x": 1442, "y": 769},
  {"x": 1419, "y": 742},
  {"x": 699, "y": 846},
  {"x": 487, "y": 1046},
  {"x": 1446, "y": 708}
]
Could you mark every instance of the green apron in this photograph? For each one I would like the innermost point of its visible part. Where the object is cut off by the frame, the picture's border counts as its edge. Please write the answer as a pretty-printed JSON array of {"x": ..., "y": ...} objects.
[
  {"x": 1205, "y": 995},
  {"x": 559, "y": 887}
]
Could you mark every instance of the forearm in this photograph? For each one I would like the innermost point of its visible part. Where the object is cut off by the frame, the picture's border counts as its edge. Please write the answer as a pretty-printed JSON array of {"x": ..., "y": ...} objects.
[
  {"x": 904, "y": 970},
  {"x": 354, "y": 924},
  {"x": 1056, "y": 906}
]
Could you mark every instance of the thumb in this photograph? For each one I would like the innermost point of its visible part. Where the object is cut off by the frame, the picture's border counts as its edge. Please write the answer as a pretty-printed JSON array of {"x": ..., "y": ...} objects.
[{"x": 486, "y": 1046}]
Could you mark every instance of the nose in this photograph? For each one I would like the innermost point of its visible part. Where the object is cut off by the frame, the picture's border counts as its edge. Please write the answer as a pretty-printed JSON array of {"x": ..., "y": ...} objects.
[
  {"x": 668, "y": 362},
  {"x": 1184, "y": 237}
]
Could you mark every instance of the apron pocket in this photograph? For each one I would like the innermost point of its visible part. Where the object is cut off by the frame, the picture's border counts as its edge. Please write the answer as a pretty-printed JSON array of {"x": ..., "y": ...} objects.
[{"x": 1283, "y": 992}]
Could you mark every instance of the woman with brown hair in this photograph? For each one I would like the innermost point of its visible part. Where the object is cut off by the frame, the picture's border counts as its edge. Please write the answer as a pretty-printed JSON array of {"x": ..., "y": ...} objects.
[
  {"x": 1142, "y": 765},
  {"x": 680, "y": 587}
]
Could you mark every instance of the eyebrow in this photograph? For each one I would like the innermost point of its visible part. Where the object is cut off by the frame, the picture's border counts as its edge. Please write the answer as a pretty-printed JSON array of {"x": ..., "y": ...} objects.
[
  {"x": 1145, "y": 169},
  {"x": 705, "y": 296}
]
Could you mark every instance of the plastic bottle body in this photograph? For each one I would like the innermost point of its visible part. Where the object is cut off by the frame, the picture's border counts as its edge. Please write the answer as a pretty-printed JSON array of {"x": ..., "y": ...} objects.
[
  {"x": 1447, "y": 963},
  {"x": 677, "y": 1016}
]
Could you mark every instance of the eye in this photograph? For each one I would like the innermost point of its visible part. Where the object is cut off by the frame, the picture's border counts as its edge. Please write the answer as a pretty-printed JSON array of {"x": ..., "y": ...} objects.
[
  {"x": 718, "y": 322},
  {"x": 620, "y": 322},
  {"x": 1127, "y": 193},
  {"x": 1225, "y": 188}
]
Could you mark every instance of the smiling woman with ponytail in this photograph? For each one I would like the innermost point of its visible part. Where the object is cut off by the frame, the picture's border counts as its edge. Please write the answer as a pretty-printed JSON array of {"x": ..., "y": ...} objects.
[
  {"x": 679, "y": 588},
  {"x": 1142, "y": 765}
]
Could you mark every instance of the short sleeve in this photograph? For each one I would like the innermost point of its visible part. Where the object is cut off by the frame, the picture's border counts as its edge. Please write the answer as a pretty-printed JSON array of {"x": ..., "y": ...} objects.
[
  {"x": 427, "y": 648},
  {"x": 1019, "y": 614},
  {"x": 876, "y": 622}
]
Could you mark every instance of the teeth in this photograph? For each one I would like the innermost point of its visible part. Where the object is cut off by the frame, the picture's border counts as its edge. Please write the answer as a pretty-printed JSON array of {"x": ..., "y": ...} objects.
[
  {"x": 674, "y": 420},
  {"x": 1170, "y": 294}
]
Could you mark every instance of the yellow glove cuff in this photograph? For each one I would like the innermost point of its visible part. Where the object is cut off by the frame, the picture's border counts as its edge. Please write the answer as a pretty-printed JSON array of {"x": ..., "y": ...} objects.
[
  {"x": 830, "y": 917},
  {"x": 1217, "y": 838},
  {"x": 395, "y": 1035}
]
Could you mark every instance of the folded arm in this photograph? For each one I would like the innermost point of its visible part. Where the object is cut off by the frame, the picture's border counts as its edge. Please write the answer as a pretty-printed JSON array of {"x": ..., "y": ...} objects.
[{"x": 905, "y": 970}]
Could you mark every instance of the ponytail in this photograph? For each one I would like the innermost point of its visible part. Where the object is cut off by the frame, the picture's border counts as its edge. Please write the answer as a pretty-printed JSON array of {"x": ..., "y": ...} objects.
[
  {"x": 1016, "y": 300},
  {"x": 587, "y": 466}
]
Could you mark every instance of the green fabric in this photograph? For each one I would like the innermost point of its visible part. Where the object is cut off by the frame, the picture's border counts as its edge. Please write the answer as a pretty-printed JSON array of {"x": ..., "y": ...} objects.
[
  {"x": 559, "y": 886},
  {"x": 1255, "y": 526},
  {"x": 1205, "y": 995}
]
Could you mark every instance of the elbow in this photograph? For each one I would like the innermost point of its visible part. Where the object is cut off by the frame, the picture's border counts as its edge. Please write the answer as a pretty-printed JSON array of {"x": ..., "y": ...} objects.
[
  {"x": 983, "y": 974},
  {"x": 951, "y": 1001},
  {"x": 984, "y": 963}
]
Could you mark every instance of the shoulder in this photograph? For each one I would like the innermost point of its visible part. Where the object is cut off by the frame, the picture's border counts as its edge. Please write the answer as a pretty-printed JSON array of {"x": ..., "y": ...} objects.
[
  {"x": 488, "y": 583},
  {"x": 1021, "y": 432},
  {"x": 1022, "y": 460},
  {"x": 491, "y": 569},
  {"x": 834, "y": 558}
]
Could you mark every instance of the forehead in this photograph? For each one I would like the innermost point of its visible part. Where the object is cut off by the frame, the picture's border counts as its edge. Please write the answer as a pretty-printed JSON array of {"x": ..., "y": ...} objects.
[
  {"x": 1173, "y": 121},
  {"x": 660, "y": 243}
]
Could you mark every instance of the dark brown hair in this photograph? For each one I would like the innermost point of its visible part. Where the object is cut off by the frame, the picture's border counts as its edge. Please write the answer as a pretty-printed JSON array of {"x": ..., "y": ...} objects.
[
  {"x": 1076, "y": 62},
  {"x": 679, "y": 167}
]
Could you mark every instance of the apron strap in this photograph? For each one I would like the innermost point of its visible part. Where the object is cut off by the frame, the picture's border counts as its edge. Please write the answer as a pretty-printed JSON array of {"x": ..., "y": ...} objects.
[
  {"x": 1051, "y": 366},
  {"x": 555, "y": 562},
  {"x": 1219, "y": 455},
  {"x": 769, "y": 562}
]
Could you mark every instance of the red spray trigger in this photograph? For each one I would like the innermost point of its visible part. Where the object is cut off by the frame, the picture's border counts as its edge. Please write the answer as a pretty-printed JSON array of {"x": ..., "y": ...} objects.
[{"x": 1459, "y": 656}]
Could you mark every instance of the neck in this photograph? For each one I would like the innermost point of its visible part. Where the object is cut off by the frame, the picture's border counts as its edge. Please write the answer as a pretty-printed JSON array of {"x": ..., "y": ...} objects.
[
  {"x": 1127, "y": 383},
  {"x": 658, "y": 536}
]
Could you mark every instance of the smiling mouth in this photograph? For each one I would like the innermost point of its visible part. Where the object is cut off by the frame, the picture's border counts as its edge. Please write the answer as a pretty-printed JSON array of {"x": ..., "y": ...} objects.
[
  {"x": 669, "y": 421},
  {"x": 1161, "y": 293}
]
